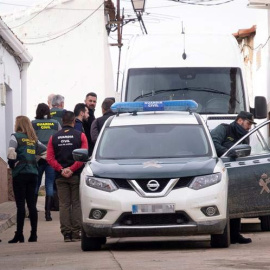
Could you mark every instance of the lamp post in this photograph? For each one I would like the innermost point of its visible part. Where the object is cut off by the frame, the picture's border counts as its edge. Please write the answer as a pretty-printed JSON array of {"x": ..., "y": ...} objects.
[{"x": 138, "y": 7}]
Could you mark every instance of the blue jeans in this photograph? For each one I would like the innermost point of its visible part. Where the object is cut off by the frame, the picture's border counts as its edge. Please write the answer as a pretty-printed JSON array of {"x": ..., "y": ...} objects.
[{"x": 43, "y": 166}]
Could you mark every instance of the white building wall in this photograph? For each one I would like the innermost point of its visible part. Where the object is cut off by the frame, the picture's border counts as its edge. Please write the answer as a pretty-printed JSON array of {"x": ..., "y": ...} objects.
[
  {"x": 261, "y": 61},
  {"x": 72, "y": 65},
  {"x": 10, "y": 76}
]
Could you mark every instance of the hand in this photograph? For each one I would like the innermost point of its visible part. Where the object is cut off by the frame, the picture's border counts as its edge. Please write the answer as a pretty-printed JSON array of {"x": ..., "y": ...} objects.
[{"x": 67, "y": 172}]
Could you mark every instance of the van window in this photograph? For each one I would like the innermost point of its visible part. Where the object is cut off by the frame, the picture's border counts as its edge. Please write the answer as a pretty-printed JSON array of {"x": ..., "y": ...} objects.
[
  {"x": 216, "y": 90},
  {"x": 153, "y": 141}
]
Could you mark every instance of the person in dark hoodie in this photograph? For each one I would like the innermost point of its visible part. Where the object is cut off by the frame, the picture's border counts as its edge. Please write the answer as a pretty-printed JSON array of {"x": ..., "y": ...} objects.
[
  {"x": 224, "y": 137},
  {"x": 99, "y": 122}
]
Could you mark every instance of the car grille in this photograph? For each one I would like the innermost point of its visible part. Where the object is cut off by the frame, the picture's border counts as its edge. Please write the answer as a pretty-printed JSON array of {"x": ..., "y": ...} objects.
[
  {"x": 128, "y": 219},
  {"x": 182, "y": 182}
]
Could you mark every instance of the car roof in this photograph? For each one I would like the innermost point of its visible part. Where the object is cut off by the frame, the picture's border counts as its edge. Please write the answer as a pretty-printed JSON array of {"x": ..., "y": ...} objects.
[{"x": 152, "y": 118}]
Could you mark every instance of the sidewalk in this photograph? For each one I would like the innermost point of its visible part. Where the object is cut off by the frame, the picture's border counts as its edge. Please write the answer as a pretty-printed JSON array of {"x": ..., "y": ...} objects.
[{"x": 8, "y": 213}]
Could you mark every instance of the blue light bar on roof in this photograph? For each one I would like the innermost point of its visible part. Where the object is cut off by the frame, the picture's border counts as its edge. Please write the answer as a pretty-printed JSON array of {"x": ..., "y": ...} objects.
[{"x": 170, "y": 105}]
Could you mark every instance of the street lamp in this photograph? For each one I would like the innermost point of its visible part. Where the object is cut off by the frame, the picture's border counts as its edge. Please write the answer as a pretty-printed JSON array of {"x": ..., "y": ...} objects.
[{"x": 138, "y": 5}]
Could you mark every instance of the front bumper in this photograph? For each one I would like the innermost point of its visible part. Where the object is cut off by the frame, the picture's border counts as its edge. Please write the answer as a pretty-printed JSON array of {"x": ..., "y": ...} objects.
[{"x": 192, "y": 228}]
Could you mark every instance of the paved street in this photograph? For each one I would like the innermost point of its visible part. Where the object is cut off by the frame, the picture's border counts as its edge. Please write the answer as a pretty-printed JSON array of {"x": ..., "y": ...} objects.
[{"x": 51, "y": 252}]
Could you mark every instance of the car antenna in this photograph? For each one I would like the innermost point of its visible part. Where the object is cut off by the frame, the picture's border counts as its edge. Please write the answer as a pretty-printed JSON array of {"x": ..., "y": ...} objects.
[{"x": 184, "y": 55}]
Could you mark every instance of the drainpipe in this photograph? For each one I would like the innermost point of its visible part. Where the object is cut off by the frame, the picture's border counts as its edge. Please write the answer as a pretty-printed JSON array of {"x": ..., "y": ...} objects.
[
  {"x": 24, "y": 88},
  {"x": 268, "y": 68}
]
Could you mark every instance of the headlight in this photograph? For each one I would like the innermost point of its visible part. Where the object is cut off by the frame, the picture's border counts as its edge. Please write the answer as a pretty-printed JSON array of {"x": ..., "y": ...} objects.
[
  {"x": 204, "y": 181},
  {"x": 100, "y": 183}
]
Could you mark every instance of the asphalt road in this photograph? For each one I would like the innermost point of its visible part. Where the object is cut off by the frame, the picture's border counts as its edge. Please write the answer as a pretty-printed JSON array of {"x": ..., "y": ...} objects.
[{"x": 51, "y": 252}]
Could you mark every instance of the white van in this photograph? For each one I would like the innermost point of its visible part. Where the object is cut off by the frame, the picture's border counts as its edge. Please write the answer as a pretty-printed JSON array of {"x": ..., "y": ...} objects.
[{"x": 206, "y": 68}]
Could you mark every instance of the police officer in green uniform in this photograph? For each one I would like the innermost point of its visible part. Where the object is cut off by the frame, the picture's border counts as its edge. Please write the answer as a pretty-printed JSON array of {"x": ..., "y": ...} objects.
[
  {"x": 23, "y": 148},
  {"x": 45, "y": 127},
  {"x": 57, "y": 108},
  {"x": 224, "y": 136}
]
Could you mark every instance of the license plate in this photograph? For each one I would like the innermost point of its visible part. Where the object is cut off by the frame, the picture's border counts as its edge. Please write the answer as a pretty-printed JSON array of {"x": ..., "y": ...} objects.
[{"x": 153, "y": 208}]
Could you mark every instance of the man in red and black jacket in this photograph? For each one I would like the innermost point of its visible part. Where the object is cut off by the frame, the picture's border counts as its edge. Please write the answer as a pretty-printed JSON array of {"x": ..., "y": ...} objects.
[{"x": 59, "y": 156}]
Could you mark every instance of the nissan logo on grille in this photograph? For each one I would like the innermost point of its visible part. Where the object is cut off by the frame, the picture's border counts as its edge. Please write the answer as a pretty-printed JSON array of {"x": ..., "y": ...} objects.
[{"x": 152, "y": 185}]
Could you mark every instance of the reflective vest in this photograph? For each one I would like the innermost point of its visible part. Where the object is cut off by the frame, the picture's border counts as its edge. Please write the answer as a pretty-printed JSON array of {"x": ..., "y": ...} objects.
[
  {"x": 45, "y": 128},
  {"x": 57, "y": 114},
  {"x": 26, "y": 151},
  {"x": 64, "y": 142}
]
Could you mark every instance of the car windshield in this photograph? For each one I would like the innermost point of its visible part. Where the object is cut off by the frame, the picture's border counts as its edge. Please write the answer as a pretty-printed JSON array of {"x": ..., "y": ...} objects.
[
  {"x": 153, "y": 141},
  {"x": 216, "y": 90}
]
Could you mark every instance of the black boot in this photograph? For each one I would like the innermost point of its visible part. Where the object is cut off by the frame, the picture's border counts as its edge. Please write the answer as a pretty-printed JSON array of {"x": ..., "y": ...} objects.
[
  {"x": 33, "y": 237},
  {"x": 48, "y": 203},
  {"x": 17, "y": 238}
]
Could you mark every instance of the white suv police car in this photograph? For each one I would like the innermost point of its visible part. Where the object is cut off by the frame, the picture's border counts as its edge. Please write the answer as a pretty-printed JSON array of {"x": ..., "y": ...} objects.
[{"x": 154, "y": 172}]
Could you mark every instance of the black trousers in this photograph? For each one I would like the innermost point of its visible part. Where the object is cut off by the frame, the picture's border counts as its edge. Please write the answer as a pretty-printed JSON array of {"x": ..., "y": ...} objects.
[
  {"x": 235, "y": 227},
  {"x": 24, "y": 186}
]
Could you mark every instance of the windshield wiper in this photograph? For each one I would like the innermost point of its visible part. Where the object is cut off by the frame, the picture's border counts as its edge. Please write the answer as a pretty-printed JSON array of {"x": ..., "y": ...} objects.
[{"x": 203, "y": 89}]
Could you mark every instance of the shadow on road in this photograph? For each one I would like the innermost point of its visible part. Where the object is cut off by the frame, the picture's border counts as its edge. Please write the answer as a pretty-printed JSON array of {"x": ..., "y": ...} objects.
[
  {"x": 251, "y": 227},
  {"x": 128, "y": 244},
  {"x": 158, "y": 245}
]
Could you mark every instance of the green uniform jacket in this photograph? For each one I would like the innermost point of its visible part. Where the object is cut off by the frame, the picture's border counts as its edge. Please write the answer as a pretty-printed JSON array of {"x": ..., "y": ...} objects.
[
  {"x": 26, "y": 159},
  {"x": 45, "y": 128}
]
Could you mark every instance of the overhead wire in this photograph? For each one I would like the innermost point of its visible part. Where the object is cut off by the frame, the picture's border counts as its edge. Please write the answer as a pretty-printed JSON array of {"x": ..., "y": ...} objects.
[
  {"x": 201, "y": 4},
  {"x": 13, "y": 27},
  {"x": 16, "y": 5},
  {"x": 256, "y": 48},
  {"x": 68, "y": 30}
]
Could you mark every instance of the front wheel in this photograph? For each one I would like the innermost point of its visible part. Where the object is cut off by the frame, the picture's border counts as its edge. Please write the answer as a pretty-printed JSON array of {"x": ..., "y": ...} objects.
[
  {"x": 91, "y": 243},
  {"x": 222, "y": 240}
]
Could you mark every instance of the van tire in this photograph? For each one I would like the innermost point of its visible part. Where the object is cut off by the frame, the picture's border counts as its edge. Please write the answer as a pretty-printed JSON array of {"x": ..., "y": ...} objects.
[
  {"x": 265, "y": 223},
  {"x": 91, "y": 243},
  {"x": 222, "y": 240}
]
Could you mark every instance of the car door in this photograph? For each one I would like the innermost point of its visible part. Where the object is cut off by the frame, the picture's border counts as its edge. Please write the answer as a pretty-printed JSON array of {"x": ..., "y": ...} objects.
[{"x": 249, "y": 176}]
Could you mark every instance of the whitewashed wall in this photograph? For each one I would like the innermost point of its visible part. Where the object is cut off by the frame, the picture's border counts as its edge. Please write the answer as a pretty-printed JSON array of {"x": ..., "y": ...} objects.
[
  {"x": 261, "y": 61},
  {"x": 10, "y": 75},
  {"x": 72, "y": 65}
]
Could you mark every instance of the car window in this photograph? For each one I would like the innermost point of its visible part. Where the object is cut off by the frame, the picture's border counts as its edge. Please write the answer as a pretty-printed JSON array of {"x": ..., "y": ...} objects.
[
  {"x": 258, "y": 139},
  {"x": 153, "y": 141}
]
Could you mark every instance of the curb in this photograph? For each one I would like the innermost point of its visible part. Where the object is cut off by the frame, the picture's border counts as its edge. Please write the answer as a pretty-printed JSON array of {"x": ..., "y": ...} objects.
[{"x": 8, "y": 215}]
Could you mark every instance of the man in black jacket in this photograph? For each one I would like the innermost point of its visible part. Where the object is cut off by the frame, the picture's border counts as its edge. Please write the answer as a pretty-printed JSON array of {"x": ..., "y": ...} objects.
[
  {"x": 99, "y": 122},
  {"x": 224, "y": 137},
  {"x": 91, "y": 102}
]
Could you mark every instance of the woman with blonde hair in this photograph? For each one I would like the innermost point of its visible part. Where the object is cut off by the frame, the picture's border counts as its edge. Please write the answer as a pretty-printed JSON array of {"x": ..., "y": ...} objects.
[{"x": 22, "y": 151}]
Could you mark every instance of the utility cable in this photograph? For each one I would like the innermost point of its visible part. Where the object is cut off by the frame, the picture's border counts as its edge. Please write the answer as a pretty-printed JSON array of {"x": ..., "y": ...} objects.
[
  {"x": 259, "y": 46},
  {"x": 16, "y": 5},
  {"x": 69, "y": 29},
  {"x": 33, "y": 16},
  {"x": 201, "y": 4}
]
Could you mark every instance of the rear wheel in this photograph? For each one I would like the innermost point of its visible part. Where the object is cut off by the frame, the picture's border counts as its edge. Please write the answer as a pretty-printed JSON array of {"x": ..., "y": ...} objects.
[
  {"x": 222, "y": 240},
  {"x": 91, "y": 243},
  {"x": 265, "y": 223}
]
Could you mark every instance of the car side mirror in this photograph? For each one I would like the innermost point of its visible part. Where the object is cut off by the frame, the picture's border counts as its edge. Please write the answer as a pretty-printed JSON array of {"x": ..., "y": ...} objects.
[
  {"x": 260, "y": 108},
  {"x": 80, "y": 155},
  {"x": 240, "y": 150}
]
